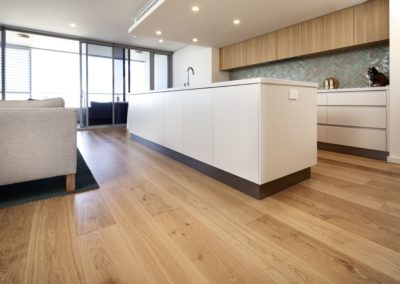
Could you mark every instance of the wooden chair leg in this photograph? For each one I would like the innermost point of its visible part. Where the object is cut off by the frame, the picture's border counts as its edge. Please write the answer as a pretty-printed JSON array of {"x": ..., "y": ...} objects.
[{"x": 70, "y": 183}]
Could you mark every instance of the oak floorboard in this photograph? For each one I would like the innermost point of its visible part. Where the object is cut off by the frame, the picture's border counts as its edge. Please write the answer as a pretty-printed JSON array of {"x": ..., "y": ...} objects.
[
  {"x": 15, "y": 231},
  {"x": 371, "y": 224},
  {"x": 217, "y": 261},
  {"x": 107, "y": 258},
  {"x": 53, "y": 255},
  {"x": 360, "y": 194},
  {"x": 158, "y": 254},
  {"x": 90, "y": 212},
  {"x": 336, "y": 266},
  {"x": 340, "y": 226},
  {"x": 365, "y": 251}
]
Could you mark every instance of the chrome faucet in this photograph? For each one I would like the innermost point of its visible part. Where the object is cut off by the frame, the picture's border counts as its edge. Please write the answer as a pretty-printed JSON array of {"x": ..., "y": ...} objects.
[{"x": 187, "y": 81}]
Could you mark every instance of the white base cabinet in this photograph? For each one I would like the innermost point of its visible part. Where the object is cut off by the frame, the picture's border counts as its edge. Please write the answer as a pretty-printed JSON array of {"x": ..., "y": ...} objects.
[
  {"x": 354, "y": 117},
  {"x": 250, "y": 128},
  {"x": 198, "y": 125}
]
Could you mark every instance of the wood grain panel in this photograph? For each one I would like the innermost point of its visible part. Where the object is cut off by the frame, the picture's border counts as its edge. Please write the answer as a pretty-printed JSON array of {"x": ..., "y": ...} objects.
[
  {"x": 232, "y": 56},
  {"x": 312, "y": 36},
  {"x": 339, "y": 29},
  {"x": 260, "y": 49},
  {"x": 371, "y": 21},
  {"x": 288, "y": 42}
]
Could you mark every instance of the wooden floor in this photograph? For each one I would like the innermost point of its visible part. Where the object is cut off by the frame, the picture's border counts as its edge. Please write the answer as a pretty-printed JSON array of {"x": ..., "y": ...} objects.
[{"x": 156, "y": 221}]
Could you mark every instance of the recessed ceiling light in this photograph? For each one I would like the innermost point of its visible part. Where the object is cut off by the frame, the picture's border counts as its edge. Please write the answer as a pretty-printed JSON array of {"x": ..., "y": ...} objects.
[
  {"x": 72, "y": 25},
  {"x": 160, "y": 40},
  {"x": 158, "y": 32},
  {"x": 236, "y": 21},
  {"x": 195, "y": 40},
  {"x": 195, "y": 8}
]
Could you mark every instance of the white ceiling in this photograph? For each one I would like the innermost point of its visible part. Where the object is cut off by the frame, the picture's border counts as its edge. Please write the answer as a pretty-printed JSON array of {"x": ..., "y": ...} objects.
[
  {"x": 213, "y": 24},
  {"x": 109, "y": 20},
  {"x": 105, "y": 20}
]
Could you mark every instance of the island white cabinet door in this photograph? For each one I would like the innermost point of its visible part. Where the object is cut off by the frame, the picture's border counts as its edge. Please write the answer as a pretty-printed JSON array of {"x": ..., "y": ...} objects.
[
  {"x": 173, "y": 120},
  {"x": 197, "y": 125},
  {"x": 146, "y": 117},
  {"x": 235, "y": 132}
]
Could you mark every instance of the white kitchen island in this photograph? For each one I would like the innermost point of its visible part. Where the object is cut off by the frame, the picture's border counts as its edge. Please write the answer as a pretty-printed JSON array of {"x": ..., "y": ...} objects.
[{"x": 256, "y": 135}]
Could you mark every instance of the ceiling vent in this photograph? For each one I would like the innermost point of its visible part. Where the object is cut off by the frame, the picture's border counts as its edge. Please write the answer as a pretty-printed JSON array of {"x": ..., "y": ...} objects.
[
  {"x": 147, "y": 8},
  {"x": 145, "y": 11}
]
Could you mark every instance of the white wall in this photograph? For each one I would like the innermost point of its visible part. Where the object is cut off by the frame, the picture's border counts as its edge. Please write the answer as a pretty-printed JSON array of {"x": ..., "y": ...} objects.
[
  {"x": 394, "y": 120},
  {"x": 204, "y": 61}
]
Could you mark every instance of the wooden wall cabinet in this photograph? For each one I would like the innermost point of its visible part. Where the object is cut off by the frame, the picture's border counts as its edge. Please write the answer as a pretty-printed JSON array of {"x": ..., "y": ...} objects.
[
  {"x": 339, "y": 29},
  {"x": 361, "y": 24},
  {"x": 288, "y": 42},
  {"x": 371, "y": 21},
  {"x": 232, "y": 56},
  {"x": 312, "y": 36},
  {"x": 260, "y": 49}
]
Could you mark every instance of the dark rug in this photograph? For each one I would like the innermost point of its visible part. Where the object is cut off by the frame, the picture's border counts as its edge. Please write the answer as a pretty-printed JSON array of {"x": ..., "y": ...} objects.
[{"x": 24, "y": 192}]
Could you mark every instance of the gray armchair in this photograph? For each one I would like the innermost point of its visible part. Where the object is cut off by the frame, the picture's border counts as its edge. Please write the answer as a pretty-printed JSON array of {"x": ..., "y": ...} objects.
[{"x": 38, "y": 140}]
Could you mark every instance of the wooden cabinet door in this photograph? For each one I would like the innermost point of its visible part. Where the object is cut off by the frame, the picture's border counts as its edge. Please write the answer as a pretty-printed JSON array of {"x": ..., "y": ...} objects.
[
  {"x": 260, "y": 49},
  {"x": 371, "y": 21},
  {"x": 312, "y": 36},
  {"x": 232, "y": 56},
  {"x": 339, "y": 29},
  {"x": 288, "y": 42}
]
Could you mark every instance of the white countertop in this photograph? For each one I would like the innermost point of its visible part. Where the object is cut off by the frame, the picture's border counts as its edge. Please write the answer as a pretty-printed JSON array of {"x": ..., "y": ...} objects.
[
  {"x": 238, "y": 83},
  {"x": 355, "y": 89}
]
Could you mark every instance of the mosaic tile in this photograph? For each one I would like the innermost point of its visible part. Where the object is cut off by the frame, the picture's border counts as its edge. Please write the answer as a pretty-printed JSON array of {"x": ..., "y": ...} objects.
[{"x": 349, "y": 67}]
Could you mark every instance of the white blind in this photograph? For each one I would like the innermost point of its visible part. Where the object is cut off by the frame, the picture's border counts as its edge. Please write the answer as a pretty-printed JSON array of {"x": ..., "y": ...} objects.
[{"x": 18, "y": 70}]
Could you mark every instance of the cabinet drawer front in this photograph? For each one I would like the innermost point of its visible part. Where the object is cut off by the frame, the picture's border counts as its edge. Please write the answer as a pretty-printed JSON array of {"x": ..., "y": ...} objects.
[
  {"x": 322, "y": 99},
  {"x": 374, "y": 117},
  {"x": 322, "y": 131},
  {"x": 374, "y": 139},
  {"x": 322, "y": 114},
  {"x": 372, "y": 98}
]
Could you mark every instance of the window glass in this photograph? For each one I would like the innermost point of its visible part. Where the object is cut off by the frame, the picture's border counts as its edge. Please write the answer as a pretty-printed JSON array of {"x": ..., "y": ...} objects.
[{"x": 160, "y": 71}]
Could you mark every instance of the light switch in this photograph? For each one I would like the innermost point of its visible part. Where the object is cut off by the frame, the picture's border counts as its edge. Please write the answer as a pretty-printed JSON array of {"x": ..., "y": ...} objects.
[{"x": 293, "y": 94}]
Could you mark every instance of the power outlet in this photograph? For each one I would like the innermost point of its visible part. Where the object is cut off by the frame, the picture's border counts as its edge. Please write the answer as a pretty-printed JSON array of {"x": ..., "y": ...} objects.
[{"x": 293, "y": 94}]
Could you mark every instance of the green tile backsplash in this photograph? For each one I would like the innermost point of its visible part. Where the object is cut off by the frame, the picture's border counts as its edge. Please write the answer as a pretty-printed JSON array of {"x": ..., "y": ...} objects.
[{"x": 349, "y": 67}]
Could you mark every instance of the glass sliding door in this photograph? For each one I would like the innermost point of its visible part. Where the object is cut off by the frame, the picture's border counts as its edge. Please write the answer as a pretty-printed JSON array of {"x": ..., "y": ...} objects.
[
  {"x": 120, "y": 85},
  {"x": 97, "y": 85},
  {"x": 139, "y": 71},
  {"x": 160, "y": 71}
]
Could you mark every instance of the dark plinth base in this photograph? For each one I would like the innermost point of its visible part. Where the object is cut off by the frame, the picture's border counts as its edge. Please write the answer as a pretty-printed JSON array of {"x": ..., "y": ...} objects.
[
  {"x": 243, "y": 185},
  {"x": 368, "y": 153}
]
